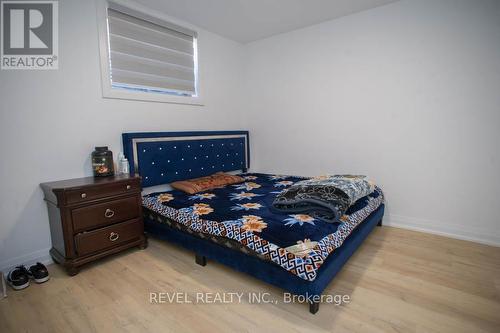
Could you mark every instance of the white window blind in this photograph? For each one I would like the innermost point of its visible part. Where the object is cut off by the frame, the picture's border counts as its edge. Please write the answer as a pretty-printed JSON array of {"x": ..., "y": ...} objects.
[{"x": 149, "y": 54}]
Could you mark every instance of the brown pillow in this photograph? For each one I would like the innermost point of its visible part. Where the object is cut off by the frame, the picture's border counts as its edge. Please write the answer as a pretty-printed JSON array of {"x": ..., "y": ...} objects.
[{"x": 196, "y": 185}]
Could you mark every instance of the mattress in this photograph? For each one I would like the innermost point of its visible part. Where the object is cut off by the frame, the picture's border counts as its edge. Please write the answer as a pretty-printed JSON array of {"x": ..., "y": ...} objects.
[{"x": 241, "y": 216}]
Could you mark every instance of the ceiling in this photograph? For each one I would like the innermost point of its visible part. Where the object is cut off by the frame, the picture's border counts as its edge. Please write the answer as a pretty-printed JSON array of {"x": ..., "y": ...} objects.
[{"x": 249, "y": 20}]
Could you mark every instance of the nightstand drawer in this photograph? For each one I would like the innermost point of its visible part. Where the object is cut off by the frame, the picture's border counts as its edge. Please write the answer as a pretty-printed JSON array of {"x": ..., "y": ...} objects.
[
  {"x": 104, "y": 238},
  {"x": 102, "y": 191},
  {"x": 107, "y": 213}
]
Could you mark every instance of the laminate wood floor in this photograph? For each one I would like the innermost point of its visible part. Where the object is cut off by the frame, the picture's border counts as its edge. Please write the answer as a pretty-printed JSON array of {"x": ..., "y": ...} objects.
[{"x": 398, "y": 281}]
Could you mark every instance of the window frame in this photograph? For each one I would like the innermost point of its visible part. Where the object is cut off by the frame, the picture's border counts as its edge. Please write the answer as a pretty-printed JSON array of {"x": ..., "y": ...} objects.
[{"x": 117, "y": 93}]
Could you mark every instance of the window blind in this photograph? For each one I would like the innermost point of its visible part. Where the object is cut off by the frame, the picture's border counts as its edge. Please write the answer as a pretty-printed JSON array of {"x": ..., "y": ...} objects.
[{"x": 149, "y": 54}]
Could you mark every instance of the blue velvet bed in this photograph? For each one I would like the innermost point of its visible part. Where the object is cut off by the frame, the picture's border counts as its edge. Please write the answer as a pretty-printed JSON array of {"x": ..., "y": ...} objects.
[{"x": 164, "y": 157}]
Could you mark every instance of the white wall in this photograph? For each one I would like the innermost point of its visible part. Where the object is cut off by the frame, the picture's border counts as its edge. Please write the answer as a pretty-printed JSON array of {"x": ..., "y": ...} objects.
[
  {"x": 50, "y": 122},
  {"x": 408, "y": 93}
]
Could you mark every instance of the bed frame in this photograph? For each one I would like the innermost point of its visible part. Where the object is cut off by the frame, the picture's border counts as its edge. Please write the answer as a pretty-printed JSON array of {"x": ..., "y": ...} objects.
[{"x": 164, "y": 157}]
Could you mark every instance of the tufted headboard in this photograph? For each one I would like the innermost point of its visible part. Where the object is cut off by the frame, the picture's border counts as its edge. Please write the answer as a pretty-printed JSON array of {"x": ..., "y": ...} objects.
[{"x": 165, "y": 157}]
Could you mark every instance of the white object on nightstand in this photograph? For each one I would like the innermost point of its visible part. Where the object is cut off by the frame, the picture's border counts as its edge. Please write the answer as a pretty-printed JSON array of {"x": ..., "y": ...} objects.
[{"x": 123, "y": 166}]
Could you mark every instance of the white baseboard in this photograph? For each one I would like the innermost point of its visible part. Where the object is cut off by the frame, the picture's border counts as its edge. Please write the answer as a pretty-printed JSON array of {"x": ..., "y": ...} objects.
[
  {"x": 442, "y": 229},
  {"x": 42, "y": 256}
]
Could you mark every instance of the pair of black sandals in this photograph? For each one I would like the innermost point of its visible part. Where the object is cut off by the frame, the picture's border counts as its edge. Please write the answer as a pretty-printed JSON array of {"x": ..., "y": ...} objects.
[{"x": 19, "y": 277}]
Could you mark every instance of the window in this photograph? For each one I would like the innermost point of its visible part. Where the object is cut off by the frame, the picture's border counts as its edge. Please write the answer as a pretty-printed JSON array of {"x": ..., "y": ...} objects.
[{"x": 147, "y": 58}]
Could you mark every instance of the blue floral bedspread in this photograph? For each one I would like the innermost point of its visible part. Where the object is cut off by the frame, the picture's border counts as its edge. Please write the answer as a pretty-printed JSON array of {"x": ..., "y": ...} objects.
[{"x": 242, "y": 212}]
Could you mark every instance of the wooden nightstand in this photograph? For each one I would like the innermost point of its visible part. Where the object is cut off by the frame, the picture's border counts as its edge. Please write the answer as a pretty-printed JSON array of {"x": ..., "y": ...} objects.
[{"x": 93, "y": 217}]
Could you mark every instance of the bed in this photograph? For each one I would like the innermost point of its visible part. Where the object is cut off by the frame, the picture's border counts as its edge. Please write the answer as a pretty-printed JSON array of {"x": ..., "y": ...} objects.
[{"x": 235, "y": 225}]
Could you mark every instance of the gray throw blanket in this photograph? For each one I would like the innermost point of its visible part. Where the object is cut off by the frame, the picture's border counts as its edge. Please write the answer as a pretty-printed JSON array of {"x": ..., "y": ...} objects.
[{"x": 326, "y": 198}]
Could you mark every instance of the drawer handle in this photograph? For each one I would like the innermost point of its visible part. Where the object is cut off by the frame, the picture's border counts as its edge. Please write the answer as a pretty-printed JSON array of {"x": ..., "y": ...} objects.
[
  {"x": 84, "y": 195},
  {"x": 109, "y": 213},
  {"x": 113, "y": 236},
  {"x": 129, "y": 187}
]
